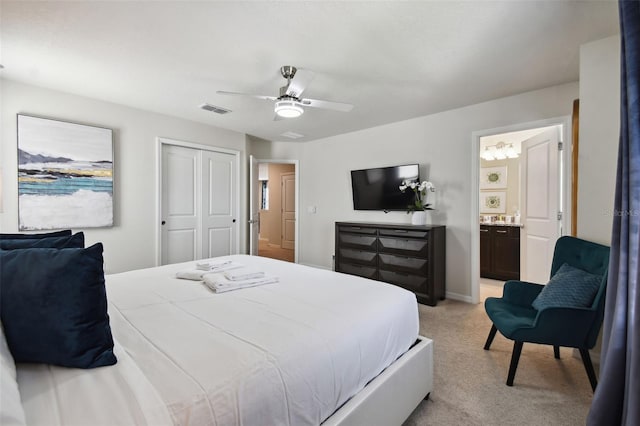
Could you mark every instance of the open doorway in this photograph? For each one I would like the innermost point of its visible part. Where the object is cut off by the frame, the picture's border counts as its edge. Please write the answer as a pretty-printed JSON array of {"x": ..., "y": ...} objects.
[
  {"x": 521, "y": 200},
  {"x": 273, "y": 212}
]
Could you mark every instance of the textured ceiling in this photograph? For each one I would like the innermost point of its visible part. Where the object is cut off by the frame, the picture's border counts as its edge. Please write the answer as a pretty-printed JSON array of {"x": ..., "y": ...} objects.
[{"x": 392, "y": 60}]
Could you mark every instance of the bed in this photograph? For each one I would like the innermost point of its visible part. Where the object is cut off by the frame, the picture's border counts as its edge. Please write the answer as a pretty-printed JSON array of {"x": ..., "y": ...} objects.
[{"x": 318, "y": 347}]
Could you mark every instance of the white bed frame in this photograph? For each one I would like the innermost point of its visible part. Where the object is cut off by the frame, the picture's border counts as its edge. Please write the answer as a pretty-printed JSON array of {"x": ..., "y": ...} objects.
[{"x": 393, "y": 395}]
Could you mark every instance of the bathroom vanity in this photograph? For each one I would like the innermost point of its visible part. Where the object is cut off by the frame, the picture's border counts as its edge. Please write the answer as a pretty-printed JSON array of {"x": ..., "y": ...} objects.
[{"x": 500, "y": 251}]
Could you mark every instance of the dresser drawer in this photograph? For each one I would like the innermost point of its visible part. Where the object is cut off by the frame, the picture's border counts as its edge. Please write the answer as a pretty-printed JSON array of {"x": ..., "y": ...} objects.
[
  {"x": 359, "y": 270},
  {"x": 415, "y": 283},
  {"x": 403, "y": 233},
  {"x": 362, "y": 242},
  {"x": 358, "y": 256},
  {"x": 403, "y": 263},
  {"x": 408, "y": 246},
  {"x": 357, "y": 229}
]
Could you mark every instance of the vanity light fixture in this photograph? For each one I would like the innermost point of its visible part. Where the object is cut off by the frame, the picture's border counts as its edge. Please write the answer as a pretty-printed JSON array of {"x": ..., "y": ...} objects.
[{"x": 499, "y": 151}]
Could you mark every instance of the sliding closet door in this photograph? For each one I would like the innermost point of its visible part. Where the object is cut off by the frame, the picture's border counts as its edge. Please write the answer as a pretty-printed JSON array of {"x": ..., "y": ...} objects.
[
  {"x": 181, "y": 204},
  {"x": 199, "y": 204},
  {"x": 219, "y": 223}
]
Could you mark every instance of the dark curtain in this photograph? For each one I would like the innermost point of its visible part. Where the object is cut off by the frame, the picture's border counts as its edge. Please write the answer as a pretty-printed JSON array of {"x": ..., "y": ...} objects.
[{"x": 617, "y": 397}]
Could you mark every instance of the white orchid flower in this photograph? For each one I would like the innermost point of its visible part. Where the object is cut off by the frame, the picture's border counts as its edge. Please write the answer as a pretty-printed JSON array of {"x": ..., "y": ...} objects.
[
  {"x": 413, "y": 185},
  {"x": 403, "y": 186}
]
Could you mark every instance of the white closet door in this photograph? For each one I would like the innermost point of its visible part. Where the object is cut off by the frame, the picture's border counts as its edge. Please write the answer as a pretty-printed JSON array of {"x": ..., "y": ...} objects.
[
  {"x": 180, "y": 204},
  {"x": 219, "y": 225}
]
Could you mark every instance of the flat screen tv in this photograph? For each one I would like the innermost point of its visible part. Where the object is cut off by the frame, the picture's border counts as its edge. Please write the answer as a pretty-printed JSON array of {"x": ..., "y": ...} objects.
[{"x": 377, "y": 189}]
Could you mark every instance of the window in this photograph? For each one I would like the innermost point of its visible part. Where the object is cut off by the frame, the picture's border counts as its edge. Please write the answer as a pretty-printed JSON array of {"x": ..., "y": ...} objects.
[{"x": 264, "y": 202}]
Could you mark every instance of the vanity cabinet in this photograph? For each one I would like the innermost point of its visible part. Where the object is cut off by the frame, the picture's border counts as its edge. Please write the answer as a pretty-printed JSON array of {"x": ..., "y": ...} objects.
[
  {"x": 409, "y": 256},
  {"x": 500, "y": 252}
]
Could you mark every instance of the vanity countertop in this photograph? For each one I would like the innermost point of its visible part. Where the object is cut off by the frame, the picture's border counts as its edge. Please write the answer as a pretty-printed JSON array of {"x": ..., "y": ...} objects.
[{"x": 512, "y": 225}]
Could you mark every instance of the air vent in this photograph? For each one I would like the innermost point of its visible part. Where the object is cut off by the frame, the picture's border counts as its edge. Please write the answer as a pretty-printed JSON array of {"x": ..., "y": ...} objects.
[
  {"x": 292, "y": 135},
  {"x": 213, "y": 108}
]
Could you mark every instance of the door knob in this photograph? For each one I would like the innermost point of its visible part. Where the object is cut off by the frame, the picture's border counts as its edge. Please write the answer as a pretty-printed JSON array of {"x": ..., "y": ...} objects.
[{"x": 163, "y": 222}]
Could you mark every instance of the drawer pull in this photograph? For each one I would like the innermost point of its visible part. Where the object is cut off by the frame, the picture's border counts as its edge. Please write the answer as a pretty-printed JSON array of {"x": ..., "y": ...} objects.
[
  {"x": 484, "y": 230},
  {"x": 501, "y": 232},
  {"x": 400, "y": 231}
]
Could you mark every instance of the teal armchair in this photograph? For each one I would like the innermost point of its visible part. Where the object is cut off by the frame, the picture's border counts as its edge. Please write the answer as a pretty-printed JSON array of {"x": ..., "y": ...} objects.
[{"x": 567, "y": 326}]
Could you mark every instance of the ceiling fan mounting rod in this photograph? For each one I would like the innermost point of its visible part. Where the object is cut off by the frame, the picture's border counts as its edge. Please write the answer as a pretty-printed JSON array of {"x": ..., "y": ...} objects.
[{"x": 288, "y": 72}]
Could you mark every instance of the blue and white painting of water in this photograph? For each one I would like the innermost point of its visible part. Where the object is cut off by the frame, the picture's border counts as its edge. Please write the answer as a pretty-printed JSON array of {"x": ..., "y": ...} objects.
[{"x": 65, "y": 175}]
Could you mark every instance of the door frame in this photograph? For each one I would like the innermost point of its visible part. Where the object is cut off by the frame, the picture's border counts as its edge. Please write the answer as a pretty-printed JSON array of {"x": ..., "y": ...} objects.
[
  {"x": 296, "y": 167},
  {"x": 160, "y": 141},
  {"x": 565, "y": 185}
]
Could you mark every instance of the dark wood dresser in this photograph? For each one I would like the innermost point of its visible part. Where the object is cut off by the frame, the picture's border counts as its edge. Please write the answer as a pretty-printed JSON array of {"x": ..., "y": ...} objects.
[{"x": 409, "y": 256}]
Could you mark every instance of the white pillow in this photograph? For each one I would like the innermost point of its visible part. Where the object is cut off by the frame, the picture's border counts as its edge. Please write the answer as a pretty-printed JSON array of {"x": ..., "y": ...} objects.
[{"x": 11, "y": 411}]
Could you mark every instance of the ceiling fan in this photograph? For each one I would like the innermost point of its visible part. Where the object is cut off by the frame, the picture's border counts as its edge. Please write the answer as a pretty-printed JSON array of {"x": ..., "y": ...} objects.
[{"x": 289, "y": 104}]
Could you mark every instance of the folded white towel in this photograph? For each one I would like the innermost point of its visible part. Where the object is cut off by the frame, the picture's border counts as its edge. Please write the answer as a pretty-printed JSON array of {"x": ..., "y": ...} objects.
[
  {"x": 191, "y": 275},
  {"x": 219, "y": 283},
  {"x": 243, "y": 274},
  {"x": 218, "y": 266}
]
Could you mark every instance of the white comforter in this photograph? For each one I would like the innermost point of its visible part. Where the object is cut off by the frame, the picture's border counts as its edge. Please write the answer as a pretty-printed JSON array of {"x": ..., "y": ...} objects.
[{"x": 289, "y": 353}]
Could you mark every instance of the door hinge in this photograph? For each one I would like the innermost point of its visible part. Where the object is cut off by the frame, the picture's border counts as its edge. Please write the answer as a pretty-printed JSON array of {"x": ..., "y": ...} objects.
[
  {"x": 560, "y": 146},
  {"x": 559, "y": 215}
]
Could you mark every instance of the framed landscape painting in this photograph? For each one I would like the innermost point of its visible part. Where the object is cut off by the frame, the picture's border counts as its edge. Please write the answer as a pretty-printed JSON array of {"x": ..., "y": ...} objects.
[{"x": 65, "y": 175}]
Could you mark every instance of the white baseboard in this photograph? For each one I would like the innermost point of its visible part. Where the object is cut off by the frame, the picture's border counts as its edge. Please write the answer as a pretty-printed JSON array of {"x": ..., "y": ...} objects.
[{"x": 459, "y": 297}]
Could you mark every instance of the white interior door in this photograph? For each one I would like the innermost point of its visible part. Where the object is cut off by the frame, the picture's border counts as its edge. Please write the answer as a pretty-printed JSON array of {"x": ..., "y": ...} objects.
[
  {"x": 219, "y": 225},
  {"x": 180, "y": 204},
  {"x": 288, "y": 199},
  {"x": 540, "y": 185},
  {"x": 254, "y": 206}
]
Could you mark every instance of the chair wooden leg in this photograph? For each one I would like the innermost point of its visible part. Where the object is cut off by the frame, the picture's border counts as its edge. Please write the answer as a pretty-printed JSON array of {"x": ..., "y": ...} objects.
[
  {"x": 490, "y": 337},
  {"x": 586, "y": 360},
  {"x": 515, "y": 357},
  {"x": 556, "y": 352}
]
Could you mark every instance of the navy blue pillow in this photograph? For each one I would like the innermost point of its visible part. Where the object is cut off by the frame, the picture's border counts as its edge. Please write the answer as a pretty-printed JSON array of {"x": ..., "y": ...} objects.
[
  {"x": 569, "y": 288},
  {"x": 64, "y": 233},
  {"x": 53, "y": 306},
  {"x": 71, "y": 241}
]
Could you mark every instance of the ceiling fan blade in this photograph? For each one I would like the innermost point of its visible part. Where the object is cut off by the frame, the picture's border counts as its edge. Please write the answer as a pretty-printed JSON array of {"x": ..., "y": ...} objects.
[
  {"x": 299, "y": 82},
  {"x": 335, "y": 106},
  {"x": 266, "y": 98}
]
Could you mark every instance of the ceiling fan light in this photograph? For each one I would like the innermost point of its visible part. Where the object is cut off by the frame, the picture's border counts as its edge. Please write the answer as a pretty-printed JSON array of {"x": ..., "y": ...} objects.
[{"x": 288, "y": 109}]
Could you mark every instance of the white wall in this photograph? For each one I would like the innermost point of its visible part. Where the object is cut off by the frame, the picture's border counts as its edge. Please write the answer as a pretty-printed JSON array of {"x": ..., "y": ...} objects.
[
  {"x": 441, "y": 143},
  {"x": 131, "y": 243},
  {"x": 599, "y": 136}
]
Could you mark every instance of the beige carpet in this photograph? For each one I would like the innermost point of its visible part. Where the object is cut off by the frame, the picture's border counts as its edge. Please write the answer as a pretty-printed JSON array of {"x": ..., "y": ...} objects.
[{"x": 469, "y": 382}]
